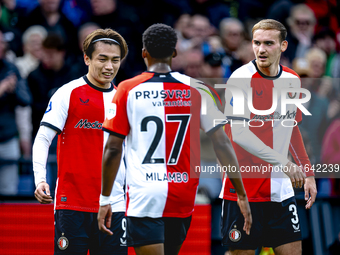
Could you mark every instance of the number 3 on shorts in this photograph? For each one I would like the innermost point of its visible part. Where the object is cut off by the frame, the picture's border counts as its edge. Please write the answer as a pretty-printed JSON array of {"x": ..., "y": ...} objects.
[{"x": 295, "y": 219}]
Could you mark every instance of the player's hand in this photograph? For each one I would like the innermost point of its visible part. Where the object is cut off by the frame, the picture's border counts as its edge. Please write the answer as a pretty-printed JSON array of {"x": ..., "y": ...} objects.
[
  {"x": 310, "y": 191},
  {"x": 43, "y": 194},
  {"x": 296, "y": 174},
  {"x": 245, "y": 210},
  {"x": 104, "y": 219}
]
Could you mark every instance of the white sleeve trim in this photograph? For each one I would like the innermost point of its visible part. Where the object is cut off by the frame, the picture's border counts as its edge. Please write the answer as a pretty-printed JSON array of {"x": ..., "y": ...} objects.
[
  {"x": 41, "y": 146},
  {"x": 251, "y": 143}
]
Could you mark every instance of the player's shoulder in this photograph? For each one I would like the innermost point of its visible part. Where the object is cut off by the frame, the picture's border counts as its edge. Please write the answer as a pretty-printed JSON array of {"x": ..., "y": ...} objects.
[
  {"x": 189, "y": 81},
  {"x": 67, "y": 88},
  {"x": 286, "y": 71},
  {"x": 74, "y": 84},
  {"x": 129, "y": 84},
  {"x": 245, "y": 71}
]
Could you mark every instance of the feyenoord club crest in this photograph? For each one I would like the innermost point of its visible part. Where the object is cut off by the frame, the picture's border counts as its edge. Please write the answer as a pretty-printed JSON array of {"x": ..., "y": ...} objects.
[
  {"x": 234, "y": 235},
  {"x": 63, "y": 242}
]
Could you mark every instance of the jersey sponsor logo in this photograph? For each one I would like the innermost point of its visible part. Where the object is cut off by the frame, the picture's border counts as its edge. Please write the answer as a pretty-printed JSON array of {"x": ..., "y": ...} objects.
[
  {"x": 234, "y": 235},
  {"x": 275, "y": 116},
  {"x": 86, "y": 124},
  {"x": 49, "y": 107},
  {"x": 84, "y": 101},
  {"x": 175, "y": 177},
  {"x": 172, "y": 103},
  {"x": 63, "y": 242},
  {"x": 164, "y": 94},
  {"x": 112, "y": 110}
]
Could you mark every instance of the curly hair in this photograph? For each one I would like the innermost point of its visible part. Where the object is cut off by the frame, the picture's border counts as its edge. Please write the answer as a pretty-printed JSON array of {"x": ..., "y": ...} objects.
[{"x": 160, "y": 40}]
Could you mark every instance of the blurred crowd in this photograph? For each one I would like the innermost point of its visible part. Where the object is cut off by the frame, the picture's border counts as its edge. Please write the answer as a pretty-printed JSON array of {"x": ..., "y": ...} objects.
[{"x": 41, "y": 42}]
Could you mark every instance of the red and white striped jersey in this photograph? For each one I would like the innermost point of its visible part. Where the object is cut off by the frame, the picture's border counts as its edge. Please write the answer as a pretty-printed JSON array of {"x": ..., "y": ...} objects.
[
  {"x": 77, "y": 111},
  {"x": 273, "y": 130},
  {"x": 160, "y": 115}
]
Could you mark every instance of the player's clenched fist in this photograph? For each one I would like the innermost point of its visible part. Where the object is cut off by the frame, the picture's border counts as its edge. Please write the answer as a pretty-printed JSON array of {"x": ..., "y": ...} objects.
[
  {"x": 42, "y": 193},
  {"x": 296, "y": 174}
]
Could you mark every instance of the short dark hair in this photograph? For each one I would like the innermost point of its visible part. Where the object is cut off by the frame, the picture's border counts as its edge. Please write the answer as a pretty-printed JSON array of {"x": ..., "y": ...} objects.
[
  {"x": 54, "y": 41},
  {"x": 160, "y": 40},
  {"x": 89, "y": 46}
]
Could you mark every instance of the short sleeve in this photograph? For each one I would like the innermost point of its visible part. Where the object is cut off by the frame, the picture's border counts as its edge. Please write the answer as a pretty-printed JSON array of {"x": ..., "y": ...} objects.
[
  {"x": 117, "y": 122},
  {"x": 57, "y": 110}
]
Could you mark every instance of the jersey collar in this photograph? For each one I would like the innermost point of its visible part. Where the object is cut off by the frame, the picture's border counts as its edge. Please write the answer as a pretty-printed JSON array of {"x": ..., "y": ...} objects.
[
  {"x": 266, "y": 76},
  {"x": 97, "y": 88}
]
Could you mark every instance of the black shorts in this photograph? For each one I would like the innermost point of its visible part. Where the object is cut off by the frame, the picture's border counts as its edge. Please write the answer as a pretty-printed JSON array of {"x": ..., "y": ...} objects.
[
  {"x": 77, "y": 232},
  {"x": 168, "y": 230},
  {"x": 274, "y": 224}
]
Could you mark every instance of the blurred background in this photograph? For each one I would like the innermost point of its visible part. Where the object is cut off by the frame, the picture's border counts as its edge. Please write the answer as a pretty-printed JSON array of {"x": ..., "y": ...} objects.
[{"x": 41, "y": 49}]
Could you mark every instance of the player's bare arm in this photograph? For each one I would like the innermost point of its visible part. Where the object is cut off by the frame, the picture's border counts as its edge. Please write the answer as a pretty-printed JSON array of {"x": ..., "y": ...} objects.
[
  {"x": 310, "y": 191},
  {"x": 299, "y": 153},
  {"x": 226, "y": 155},
  {"x": 296, "y": 174},
  {"x": 111, "y": 161}
]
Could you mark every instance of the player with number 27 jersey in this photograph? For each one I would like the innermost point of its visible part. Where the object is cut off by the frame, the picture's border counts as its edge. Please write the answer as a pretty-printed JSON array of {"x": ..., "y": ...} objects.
[{"x": 162, "y": 140}]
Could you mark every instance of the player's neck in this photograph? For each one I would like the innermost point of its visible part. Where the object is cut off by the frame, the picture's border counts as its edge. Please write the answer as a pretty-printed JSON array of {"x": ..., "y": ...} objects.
[
  {"x": 159, "y": 67},
  {"x": 98, "y": 84},
  {"x": 272, "y": 70}
]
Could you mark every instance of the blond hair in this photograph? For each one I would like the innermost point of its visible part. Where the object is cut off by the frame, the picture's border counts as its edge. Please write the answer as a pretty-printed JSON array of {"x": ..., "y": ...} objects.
[{"x": 271, "y": 24}]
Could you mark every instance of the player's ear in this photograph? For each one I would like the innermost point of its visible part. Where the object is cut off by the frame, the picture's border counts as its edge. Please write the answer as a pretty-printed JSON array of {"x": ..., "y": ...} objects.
[
  {"x": 174, "y": 54},
  {"x": 87, "y": 60},
  {"x": 284, "y": 46},
  {"x": 144, "y": 53}
]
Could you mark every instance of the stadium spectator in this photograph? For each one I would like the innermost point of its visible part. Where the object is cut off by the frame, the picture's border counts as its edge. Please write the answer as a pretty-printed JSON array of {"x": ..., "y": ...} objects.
[
  {"x": 193, "y": 63},
  {"x": 301, "y": 24},
  {"x": 13, "y": 92},
  {"x": 79, "y": 67},
  {"x": 32, "y": 46},
  {"x": 120, "y": 17},
  {"x": 280, "y": 10},
  {"x": 157, "y": 222},
  {"x": 32, "y": 41},
  {"x": 245, "y": 52},
  {"x": 326, "y": 41},
  {"x": 259, "y": 144},
  {"x": 215, "y": 11},
  {"x": 11, "y": 35},
  {"x": 51, "y": 73},
  {"x": 48, "y": 14},
  {"x": 76, "y": 112},
  {"x": 313, "y": 125},
  {"x": 330, "y": 153},
  {"x": 9, "y": 13},
  {"x": 201, "y": 30},
  {"x": 326, "y": 13},
  {"x": 232, "y": 34}
]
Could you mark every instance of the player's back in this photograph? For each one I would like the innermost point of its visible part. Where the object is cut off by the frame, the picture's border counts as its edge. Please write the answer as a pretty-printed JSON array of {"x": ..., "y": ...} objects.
[{"x": 160, "y": 115}]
